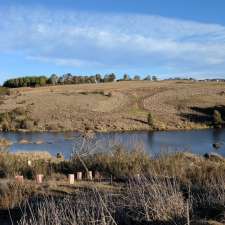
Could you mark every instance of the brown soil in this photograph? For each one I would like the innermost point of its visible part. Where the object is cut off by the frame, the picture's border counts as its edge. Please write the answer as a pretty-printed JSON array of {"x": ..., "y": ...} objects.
[{"x": 119, "y": 106}]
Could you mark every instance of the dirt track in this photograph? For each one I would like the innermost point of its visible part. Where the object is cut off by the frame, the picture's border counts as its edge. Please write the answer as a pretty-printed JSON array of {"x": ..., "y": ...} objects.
[{"x": 120, "y": 106}]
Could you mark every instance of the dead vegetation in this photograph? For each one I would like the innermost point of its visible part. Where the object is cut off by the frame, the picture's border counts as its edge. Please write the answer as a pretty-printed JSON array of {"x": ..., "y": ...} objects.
[
  {"x": 129, "y": 187},
  {"x": 13, "y": 194}
]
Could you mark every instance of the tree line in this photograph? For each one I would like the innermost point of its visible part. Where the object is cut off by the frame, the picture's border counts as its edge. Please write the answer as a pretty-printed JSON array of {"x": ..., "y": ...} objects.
[{"x": 38, "y": 81}]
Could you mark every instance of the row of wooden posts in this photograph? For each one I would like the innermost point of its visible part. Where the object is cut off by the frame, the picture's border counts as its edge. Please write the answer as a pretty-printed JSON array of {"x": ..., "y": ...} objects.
[{"x": 71, "y": 177}]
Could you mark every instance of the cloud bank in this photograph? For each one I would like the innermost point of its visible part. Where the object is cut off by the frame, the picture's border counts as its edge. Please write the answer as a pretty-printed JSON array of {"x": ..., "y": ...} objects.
[{"x": 116, "y": 41}]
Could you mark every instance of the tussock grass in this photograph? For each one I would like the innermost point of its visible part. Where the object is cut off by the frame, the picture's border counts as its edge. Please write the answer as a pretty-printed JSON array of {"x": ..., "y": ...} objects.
[
  {"x": 119, "y": 163},
  {"x": 12, "y": 194},
  {"x": 90, "y": 208},
  {"x": 14, "y": 164},
  {"x": 156, "y": 199}
]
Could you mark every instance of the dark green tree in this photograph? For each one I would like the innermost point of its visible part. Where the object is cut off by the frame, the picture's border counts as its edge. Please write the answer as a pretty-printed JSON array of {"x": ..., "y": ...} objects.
[
  {"x": 126, "y": 77},
  {"x": 154, "y": 78},
  {"x": 137, "y": 77},
  {"x": 53, "y": 79}
]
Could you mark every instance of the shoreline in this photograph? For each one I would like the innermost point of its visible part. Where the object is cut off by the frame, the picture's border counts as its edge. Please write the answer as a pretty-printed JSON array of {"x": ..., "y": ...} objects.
[{"x": 111, "y": 130}]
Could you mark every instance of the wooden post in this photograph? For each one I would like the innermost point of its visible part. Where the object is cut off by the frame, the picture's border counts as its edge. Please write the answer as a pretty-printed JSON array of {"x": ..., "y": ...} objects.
[
  {"x": 71, "y": 179},
  {"x": 39, "y": 178},
  {"x": 89, "y": 175},
  {"x": 79, "y": 175},
  {"x": 19, "y": 178}
]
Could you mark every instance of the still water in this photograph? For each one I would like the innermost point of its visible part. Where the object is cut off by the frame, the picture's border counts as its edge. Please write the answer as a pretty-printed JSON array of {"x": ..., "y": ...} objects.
[{"x": 196, "y": 141}]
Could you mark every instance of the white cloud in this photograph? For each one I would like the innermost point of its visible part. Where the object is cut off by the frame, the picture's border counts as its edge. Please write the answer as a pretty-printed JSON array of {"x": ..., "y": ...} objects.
[
  {"x": 81, "y": 39},
  {"x": 65, "y": 62}
]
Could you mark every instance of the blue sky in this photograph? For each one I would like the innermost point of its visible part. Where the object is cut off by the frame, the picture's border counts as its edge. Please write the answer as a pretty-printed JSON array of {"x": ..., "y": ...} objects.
[{"x": 162, "y": 37}]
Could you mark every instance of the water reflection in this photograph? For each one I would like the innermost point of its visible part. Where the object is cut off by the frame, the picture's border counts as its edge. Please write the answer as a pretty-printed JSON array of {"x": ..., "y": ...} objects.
[{"x": 197, "y": 141}]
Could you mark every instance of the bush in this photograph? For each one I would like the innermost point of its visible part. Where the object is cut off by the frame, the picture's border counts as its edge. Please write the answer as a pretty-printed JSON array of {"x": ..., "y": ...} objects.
[
  {"x": 150, "y": 120},
  {"x": 12, "y": 164},
  {"x": 145, "y": 202},
  {"x": 217, "y": 119},
  {"x": 156, "y": 199},
  {"x": 27, "y": 124},
  {"x": 12, "y": 194},
  {"x": 119, "y": 163},
  {"x": 16, "y": 119},
  {"x": 84, "y": 208}
]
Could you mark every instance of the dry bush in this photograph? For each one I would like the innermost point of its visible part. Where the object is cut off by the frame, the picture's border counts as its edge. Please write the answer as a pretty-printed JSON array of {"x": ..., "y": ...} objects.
[
  {"x": 119, "y": 163},
  {"x": 203, "y": 178},
  {"x": 188, "y": 168},
  {"x": 148, "y": 200},
  {"x": 156, "y": 199},
  {"x": 12, "y": 194},
  {"x": 85, "y": 208},
  {"x": 209, "y": 199},
  {"x": 14, "y": 164},
  {"x": 16, "y": 119}
]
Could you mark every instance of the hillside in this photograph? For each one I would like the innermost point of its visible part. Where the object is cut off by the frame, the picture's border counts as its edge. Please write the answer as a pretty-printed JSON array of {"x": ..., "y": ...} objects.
[{"x": 113, "y": 106}]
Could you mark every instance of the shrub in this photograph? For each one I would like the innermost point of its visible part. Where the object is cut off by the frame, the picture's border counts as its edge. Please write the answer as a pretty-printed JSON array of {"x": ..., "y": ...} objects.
[
  {"x": 12, "y": 164},
  {"x": 18, "y": 118},
  {"x": 12, "y": 194},
  {"x": 27, "y": 124},
  {"x": 208, "y": 200},
  {"x": 119, "y": 163},
  {"x": 156, "y": 199},
  {"x": 150, "y": 120},
  {"x": 217, "y": 119},
  {"x": 5, "y": 126},
  {"x": 84, "y": 208}
]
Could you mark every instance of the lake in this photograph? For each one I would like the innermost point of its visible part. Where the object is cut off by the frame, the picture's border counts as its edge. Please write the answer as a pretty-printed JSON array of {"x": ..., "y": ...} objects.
[{"x": 196, "y": 141}]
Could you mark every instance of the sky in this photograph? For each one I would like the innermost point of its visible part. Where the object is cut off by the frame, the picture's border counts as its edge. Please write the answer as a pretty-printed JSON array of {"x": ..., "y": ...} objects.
[{"x": 166, "y": 38}]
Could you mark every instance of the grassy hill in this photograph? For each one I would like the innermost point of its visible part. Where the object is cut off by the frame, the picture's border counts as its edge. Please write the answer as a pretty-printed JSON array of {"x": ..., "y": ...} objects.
[{"x": 115, "y": 106}]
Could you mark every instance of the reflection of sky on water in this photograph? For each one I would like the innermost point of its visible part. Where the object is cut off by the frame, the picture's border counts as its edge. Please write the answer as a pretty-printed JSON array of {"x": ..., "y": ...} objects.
[{"x": 197, "y": 141}]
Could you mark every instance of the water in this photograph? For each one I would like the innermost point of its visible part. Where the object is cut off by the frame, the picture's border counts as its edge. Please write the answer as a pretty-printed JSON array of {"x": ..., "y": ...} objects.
[{"x": 196, "y": 141}]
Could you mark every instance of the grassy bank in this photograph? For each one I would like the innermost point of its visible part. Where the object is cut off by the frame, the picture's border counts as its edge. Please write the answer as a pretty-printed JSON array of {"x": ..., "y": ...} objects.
[{"x": 129, "y": 187}]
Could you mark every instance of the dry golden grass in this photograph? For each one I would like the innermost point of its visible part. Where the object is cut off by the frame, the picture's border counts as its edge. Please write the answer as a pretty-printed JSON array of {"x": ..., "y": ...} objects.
[
  {"x": 118, "y": 106},
  {"x": 42, "y": 155},
  {"x": 12, "y": 193}
]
